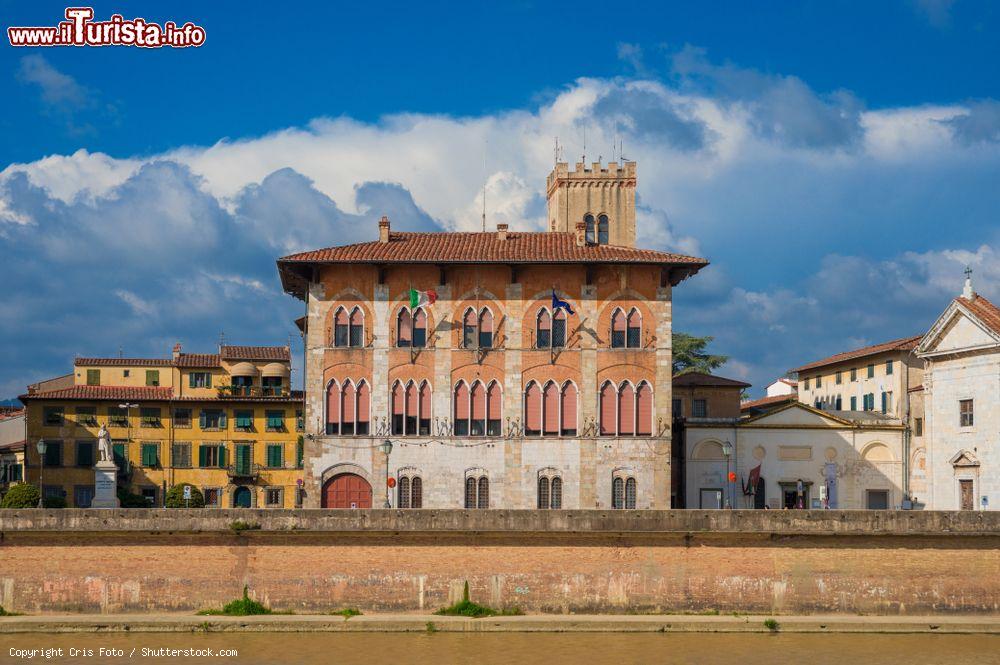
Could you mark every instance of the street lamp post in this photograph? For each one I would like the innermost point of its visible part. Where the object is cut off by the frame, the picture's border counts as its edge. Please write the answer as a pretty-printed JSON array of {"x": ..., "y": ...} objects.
[
  {"x": 40, "y": 447},
  {"x": 128, "y": 419},
  {"x": 727, "y": 450},
  {"x": 386, "y": 448}
]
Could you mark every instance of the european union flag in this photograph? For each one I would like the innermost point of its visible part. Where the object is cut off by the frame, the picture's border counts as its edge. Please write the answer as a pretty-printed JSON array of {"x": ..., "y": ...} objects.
[{"x": 560, "y": 304}]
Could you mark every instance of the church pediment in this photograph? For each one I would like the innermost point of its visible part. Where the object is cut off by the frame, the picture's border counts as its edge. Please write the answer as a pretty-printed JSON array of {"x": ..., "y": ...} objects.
[
  {"x": 796, "y": 414},
  {"x": 957, "y": 330}
]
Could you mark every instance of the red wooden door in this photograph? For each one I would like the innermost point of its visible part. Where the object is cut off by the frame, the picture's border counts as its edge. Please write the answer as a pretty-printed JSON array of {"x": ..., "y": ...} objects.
[{"x": 347, "y": 490}]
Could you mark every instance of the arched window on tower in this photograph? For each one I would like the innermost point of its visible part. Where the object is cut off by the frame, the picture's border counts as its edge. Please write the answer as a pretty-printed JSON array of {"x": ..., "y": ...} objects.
[
  {"x": 568, "y": 410},
  {"x": 626, "y": 409},
  {"x": 470, "y": 330},
  {"x": 602, "y": 230},
  {"x": 341, "y": 328},
  {"x": 357, "y": 332},
  {"x": 332, "y": 408},
  {"x": 559, "y": 329},
  {"x": 591, "y": 238},
  {"x": 644, "y": 410},
  {"x": 404, "y": 328},
  {"x": 494, "y": 400},
  {"x": 461, "y": 409},
  {"x": 543, "y": 329},
  {"x": 609, "y": 410},
  {"x": 550, "y": 410},
  {"x": 532, "y": 410},
  {"x": 633, "y": 339},
  {"x": 618, "y": 329},
  {"x": 420, "y": 328},
  {"x": 348, "y": 408},
  {"x": 364, "y": 407},
  {"x": 486, "y": 329},
  {"x": 478, "y": 396}
]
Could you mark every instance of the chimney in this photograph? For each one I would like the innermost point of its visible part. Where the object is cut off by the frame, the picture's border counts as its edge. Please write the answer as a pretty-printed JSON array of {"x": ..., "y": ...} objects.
[
  {"x": 581, "y": 234},
  {"x": 177, "y": 350},
  {"x": 502, "y": 232},
  {"x": 383, "y": 229}
]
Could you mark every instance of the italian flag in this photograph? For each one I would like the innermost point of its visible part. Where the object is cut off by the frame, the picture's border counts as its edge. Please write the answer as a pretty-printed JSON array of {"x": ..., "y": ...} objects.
[{"x": 421, "y": 298}]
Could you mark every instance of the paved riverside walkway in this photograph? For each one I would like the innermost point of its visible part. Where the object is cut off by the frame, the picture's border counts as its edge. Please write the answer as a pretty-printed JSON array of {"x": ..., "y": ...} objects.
[{"x": 163, "y": 623}]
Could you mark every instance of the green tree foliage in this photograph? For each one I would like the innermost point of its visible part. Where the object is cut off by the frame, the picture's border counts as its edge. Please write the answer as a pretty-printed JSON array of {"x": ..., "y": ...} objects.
[
  {"x": 128, "y": 500},
  {"x": 690, "y": 354},
  {"x": 20, "y": 496},
  {"x": 54, "y": 502},
  {"x": 175, "y": 497}
]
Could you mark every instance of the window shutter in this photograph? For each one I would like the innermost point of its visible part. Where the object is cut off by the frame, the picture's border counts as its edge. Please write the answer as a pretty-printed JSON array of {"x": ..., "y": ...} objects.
[
  {"x": 550, "y": 409},
  {"x": 644, "y": 400},
  {"x": 222, "y": 420},
  {"x": 626, "y": 410},
  {"x": 493, "y": 406},
  {"x": 533, "y": 409},
  {"x": 202, "y": 419},
  {"x": 223, "y": 457},
  {"x": 608, "y": 410},
  {"x": 404, "y": 329},
  {"x": 543, "y": 333},
  {"x": 569, "y": 409},
  {"x": 425, "y": 401},
  {"x": 332, "y": 405},
  {"x": 347, "y": 403},
  {"x": 412, "y": 402},
  {"x": 364, "y": 404}
]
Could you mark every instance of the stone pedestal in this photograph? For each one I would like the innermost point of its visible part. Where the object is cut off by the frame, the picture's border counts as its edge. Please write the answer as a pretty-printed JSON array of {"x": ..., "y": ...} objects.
[{"x": 105, "y": 485}]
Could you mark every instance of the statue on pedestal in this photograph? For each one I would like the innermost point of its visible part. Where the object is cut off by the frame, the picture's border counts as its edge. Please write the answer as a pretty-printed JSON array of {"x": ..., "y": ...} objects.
[{"x": 105, "y": 452}]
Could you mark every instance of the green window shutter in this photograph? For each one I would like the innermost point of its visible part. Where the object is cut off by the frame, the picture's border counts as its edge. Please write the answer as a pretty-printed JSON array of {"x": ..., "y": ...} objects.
[
  {"x": 222, "y": 456},
  {"x": 208, "y": 379},
  {"x": 274, "y": 456},
  {"x": 202, "y": 419},
  {"x": 222, "y": 420},
  {"x": 202, "y": 456},
  {"x": 191, "y": 380},
  {"x": 299, "y": 452}
]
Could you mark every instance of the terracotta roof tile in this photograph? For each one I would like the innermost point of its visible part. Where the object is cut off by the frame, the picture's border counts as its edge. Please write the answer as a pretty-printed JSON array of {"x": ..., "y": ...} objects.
[
  {"x": 767, "y": 401},
  {"x": 702, "y": 379},
  {"x": 124, "y": 362},
  {"x": 147, "y": 393},
  {"x": 984, "y": 310},
  {"x": 902, "y": 344},
  {"x": 198, "y": 360},
  {"x": 281, "y": 353},
  {"x": 486, "y": 247}
]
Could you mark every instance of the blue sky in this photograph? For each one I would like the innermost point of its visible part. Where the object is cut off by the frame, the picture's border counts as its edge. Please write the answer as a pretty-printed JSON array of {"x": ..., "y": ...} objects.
[{"x": 837, "y": 162}]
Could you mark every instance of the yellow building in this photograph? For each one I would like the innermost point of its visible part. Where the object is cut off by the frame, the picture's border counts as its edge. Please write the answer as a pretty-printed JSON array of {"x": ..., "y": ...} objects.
[{"x": 225, "y": 422}]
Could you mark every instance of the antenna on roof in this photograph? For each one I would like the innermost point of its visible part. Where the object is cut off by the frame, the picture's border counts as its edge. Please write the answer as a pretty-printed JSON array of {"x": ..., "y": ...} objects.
[
  {"x": 222, "y": 340},
  {"x": 555, "y": 152},
  {"x": 121, "y": 352},
  {"x": 584, "y": 157},
  {"x": 485, "y": 179}
]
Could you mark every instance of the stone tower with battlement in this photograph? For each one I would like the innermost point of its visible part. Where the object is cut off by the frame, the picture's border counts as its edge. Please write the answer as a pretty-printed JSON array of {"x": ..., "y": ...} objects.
[{"x": 603, "y": 198}]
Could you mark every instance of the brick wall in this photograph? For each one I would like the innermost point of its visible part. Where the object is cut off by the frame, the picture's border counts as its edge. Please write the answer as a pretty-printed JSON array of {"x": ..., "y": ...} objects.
[{"x": 554, "y": 561}]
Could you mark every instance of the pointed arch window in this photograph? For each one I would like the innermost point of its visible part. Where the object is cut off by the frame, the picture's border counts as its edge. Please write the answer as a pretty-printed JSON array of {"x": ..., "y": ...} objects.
[
  {"x": 404, "y": 328},
  {"x": 609, "y": 399},
  {"x": 591, "y": 237},
  {"x": 550, "y": 410},
  {"x": 398, "y": 399},
  {"x": 411, "y": 408},
  {"x": 419, "y": 328},
  {"x": 485, "y": 329},
  {"x": 549, "y": 492},
  {"x": 559, "y": 329},
  {"x": 618, "y": 493},
  {"x": 544, "y": 486},
  {"x": 633, "y": 338},
  {"x": 602, "y": 230},
  {"x": 483, "y": 500},
  {"x": 478, "y": 397},
  {"x": 567, "y": 416},
  {"x": 425, "y": 410},
  {"x": 533, "y": 410},
  {"x": 470, "y": 330},
  {"x": 619, "y": 327},
  {"x": 494, "y": 401},
  {"x": 348, "y": 406},
  {"x": 461, "y": 409},
  {"x": 644, "y": 410},
  {"x": 364, "y": 405},
  {"x": 556, "y": 502},
  {"x": 543, "y": 329},
  {"x": 471, "y": 488},
  {"x": 357, "y": 327},
  {"x": 630, "y": 492},
  {"x": 626, "y": 410},
  {"x": 409, "y": 492},
  {"x": 341, "y": 328},
  {"x": 333, "y": 408},
  {"x": 477, "y": 492}
]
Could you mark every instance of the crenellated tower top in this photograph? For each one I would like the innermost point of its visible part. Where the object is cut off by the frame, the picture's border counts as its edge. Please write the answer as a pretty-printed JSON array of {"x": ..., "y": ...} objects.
[{"x": 602, "y": 197}]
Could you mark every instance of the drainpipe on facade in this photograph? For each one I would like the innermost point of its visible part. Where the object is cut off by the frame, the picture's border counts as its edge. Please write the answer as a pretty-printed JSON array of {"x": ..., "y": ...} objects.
[{"x": 906, "y": 432}]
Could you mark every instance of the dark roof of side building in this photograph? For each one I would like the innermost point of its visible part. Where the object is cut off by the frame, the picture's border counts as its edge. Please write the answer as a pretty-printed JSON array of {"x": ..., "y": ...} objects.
[
  {"x": 765, "y": 403},
  {"x": 901, "y": 344},
  {"x": 275, "y": 353},
  {"x": 147, "y": 394},
  {"x": 701, "y": 379}
]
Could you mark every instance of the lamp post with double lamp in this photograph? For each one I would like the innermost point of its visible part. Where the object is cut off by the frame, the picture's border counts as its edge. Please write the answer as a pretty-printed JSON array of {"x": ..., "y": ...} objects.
[
  {"x": 727, "y": 450},
  {"x": 41, "y": 446},
  {"x": 386, "y": 448}
]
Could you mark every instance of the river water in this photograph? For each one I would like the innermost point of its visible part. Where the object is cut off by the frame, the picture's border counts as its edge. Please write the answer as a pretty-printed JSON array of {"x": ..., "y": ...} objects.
[{"x": 510, "y": 648}]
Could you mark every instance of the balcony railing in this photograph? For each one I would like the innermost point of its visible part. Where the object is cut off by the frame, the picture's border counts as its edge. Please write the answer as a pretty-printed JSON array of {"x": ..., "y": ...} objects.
[
  {"x": 244, "y": 471},
  {"x": 253, "y": 391}
]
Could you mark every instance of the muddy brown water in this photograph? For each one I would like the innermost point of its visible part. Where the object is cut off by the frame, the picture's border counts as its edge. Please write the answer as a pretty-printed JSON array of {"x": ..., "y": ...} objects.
[{"x": 506, "y": 648}]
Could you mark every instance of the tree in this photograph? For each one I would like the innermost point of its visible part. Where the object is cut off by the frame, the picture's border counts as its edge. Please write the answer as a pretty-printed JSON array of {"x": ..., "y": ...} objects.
[
  {"x": 20, "y": 496},
  {"x": 690, "y": 354},
  {"x": 175, "y": 497},
  {"x": 127, "y": 499}
]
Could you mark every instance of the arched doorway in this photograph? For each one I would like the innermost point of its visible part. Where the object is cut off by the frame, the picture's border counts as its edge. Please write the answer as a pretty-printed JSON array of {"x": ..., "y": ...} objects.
[
  {"x": 242, "y": 498},
  {"x": 347, "y": 490}
]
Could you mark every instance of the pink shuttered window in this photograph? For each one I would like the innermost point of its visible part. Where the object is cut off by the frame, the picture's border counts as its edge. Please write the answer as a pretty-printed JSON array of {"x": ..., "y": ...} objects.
[
  {"x": 333, "y": 408},
  {"x": 543, "y": 332},
  {"x": 397, "y": 399},
  {"x": 644, "y": 406},
  {"x": 609, "y": 408},
  {"x": 478, "y": 423},
  {"x": 425, "y": 402},
  {"x": 550, "y": 409},
  {"x": 420, "y": 328},
  {"x": 356, "y": 317},
  {"x": 404, "y": 328},
  {"x": 347, "y": 405},
  {"x": 494, "y": 398},
  {"x": 462, "y": 410},
  {"x": 626, "y": 410},
  {"x": 486, "y": 321},
  {"x": 533, "y": 410},
  {"x": 341, "y": 318},
  {"x": 412, "y": 400},
  {"x": 568, "y": 427},
  {"x": 364, "y": 407}
]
